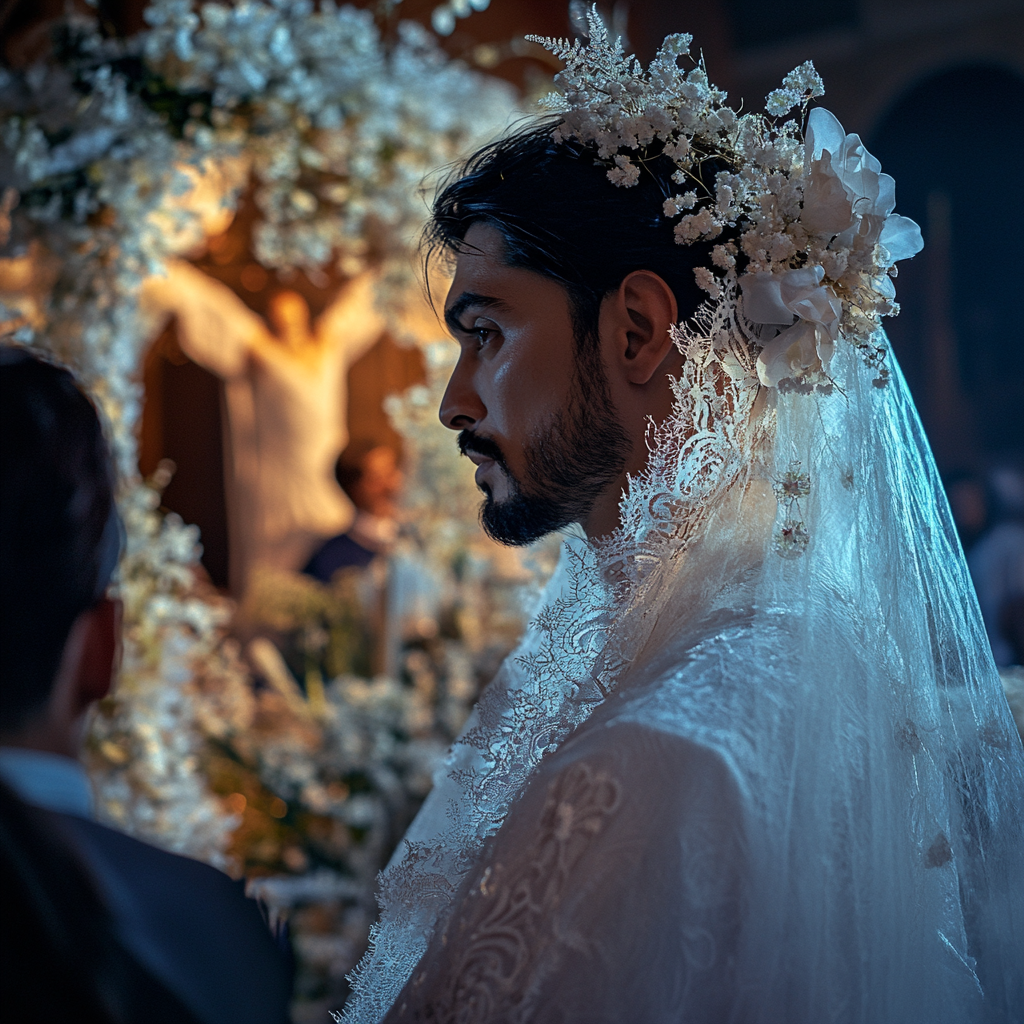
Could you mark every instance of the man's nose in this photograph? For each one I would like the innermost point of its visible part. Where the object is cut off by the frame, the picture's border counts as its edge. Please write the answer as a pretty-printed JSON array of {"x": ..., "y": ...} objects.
[{"x": 461, "y": 407}]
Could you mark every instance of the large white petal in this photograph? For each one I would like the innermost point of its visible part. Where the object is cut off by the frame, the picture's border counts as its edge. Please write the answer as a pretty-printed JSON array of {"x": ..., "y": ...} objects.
[
  {"x": 762, "y": 301},
  {"x": 823, "y": 132},
  {"x": 827, "y": 208},
  {"x": 885, "y": 287},
  {"x": 788, "y": 354},
  {"x": 886, "y": 201},
  {"x": 901, "y": 237}
]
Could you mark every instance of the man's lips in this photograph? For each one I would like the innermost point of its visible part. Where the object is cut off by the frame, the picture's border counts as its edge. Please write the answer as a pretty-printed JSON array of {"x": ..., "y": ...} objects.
[
  {"x": 483, "y": 467},
  {"x": 485, "y": 455}
]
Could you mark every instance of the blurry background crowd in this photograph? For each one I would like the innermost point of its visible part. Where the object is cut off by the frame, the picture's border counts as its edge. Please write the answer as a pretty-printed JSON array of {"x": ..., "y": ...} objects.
[{"x": 213, "y": 220}]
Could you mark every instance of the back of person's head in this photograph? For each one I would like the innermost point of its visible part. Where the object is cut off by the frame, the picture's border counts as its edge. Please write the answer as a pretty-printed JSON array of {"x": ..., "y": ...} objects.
[
  {"x": 59, "y": 535},
  {"x": 560, "y": 216}
]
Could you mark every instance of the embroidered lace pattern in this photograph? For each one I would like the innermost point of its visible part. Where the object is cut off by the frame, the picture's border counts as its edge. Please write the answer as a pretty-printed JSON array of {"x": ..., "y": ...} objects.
[{"x": 508, "y": 915}]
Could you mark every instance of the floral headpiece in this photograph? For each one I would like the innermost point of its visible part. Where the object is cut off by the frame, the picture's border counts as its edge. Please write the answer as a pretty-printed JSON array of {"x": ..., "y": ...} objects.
[{"x": 812, "y": 239}]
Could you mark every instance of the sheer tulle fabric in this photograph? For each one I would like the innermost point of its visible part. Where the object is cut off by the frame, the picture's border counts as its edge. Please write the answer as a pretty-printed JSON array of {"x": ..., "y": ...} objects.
[{"x": 719, "y": 784}]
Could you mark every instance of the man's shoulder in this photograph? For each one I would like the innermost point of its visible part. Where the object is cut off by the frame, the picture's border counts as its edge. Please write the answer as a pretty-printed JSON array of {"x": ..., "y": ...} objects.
[
  {"x": 137, "y": 857},
  {"x": 187, "y": 922},
  {"x": 654, "y": 757}
]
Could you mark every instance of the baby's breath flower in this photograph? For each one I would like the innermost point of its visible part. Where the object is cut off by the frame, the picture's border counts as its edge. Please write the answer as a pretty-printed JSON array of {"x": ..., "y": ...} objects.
[
  {"x": 707, "y": 281},
  {"x": 678, "y": 149},
  {"x": 722, "y": 257},
  {"x": 625, "y": 173}
]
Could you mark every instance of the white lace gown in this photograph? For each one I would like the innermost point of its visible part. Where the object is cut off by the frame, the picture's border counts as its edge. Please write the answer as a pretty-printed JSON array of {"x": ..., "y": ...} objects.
[
  {"x": 639, "y": 869},
  {"x": 719, "y": 785},
  {"x": 611, "y": 893}
]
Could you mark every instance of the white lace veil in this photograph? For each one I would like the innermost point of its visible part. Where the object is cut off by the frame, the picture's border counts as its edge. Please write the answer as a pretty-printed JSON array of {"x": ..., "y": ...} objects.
[{"x": 860, "y": 711}]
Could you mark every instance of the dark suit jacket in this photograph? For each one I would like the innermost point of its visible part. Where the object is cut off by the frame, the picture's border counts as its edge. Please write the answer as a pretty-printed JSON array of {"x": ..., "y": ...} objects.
[{"x": 189, "y": 924}]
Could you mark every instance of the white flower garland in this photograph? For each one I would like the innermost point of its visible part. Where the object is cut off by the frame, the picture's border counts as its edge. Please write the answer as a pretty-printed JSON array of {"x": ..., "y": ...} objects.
[
  {"x": 340, "y": 130},
  {"x": 341, "y": 126},
  {"x": 804, "y": 207}
]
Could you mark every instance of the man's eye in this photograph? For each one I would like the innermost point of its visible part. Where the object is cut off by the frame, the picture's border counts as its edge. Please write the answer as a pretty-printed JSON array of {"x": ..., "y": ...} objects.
[{"x": 483, "y": 332}]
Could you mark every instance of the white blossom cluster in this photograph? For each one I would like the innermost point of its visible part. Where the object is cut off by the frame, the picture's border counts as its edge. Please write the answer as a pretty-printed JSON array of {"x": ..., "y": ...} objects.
[
  {"x": 92, "y": 173},
  {"x": 341, "y": 124},
  {"x": 804, "y": 216},
  {"x": 146, "y": 742},
  {"x": 340, "y": 129}
]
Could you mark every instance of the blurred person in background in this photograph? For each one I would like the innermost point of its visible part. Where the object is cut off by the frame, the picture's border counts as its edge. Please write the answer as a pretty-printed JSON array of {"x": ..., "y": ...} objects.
[
  {"x": 97, "y": 925},
  {"x": 371, "y": 475},
  {"x": 996, "y": 562}
]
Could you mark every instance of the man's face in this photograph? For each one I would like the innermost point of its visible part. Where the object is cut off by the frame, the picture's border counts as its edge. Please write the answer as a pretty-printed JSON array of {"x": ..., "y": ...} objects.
[{"x": 533, "y": 416}]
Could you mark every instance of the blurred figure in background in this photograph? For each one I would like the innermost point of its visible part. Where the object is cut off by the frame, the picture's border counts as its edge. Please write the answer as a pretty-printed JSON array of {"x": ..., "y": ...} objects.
[
  {"x": 286, "y": 398},
  {"x": 996, "y": 562},
  {"x": 143, "y": 934},
  {"x": 968, "y": 502},
  {"x": 370, "y": 474}
]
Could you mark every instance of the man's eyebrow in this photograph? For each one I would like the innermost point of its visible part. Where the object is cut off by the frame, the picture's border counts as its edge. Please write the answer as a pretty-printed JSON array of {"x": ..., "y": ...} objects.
[{"x": 453, "y": 314}]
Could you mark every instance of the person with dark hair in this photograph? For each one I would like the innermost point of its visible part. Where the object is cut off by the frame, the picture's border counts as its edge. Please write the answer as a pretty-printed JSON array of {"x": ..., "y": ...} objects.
[
  {"x": 511, "y": 204},
  {"x": 370, "y": 474},
  {"x": 95, "y": 923},
  {"x": 751, "y": 761}
]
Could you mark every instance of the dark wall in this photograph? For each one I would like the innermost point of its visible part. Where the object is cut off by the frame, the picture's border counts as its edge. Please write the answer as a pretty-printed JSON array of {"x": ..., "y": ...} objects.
[
  {"x": 955, "y": 145},
  {"x": 181, "y": 421}
]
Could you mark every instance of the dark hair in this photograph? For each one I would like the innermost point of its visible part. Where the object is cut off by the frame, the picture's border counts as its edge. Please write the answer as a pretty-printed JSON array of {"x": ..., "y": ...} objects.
[
  {"x": 56, "y": 521},
  {"x": 560, "y": 216},
  {"x": 350, "y": 468}
]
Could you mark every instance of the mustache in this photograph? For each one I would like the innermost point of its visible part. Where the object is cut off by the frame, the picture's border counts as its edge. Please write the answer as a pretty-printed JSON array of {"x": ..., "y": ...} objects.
[{"x": 471, "y": 442}]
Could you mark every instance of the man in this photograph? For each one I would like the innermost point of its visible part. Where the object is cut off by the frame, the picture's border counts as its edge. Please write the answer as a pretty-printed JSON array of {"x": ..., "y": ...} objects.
[
  {"x": 371, "y": 476},
  {"x": 752, "y": 762},
  {"x": 181, "y": 924}
]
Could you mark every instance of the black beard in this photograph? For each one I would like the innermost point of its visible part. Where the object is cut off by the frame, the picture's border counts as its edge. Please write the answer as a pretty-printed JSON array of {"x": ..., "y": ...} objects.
[{"x": 582, "y": 450}]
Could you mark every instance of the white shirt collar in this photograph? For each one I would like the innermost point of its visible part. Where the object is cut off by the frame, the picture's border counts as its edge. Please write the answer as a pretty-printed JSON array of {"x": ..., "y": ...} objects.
[{"x": 50, "y": 781}]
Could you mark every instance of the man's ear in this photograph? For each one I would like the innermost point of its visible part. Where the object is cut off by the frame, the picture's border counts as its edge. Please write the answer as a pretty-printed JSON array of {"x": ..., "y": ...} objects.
[
  {"x": 634, "y": 325},
  {"x": 100, "y": 654}
]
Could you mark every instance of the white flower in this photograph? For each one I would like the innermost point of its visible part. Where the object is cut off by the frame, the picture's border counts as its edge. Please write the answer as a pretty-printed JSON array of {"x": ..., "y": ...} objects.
[
  {"x": 707, "y": 281},
  {"x": 674, "y": 206},
  {"x": 678, "y": 149},
  {"x": 777, "y": 300},
  {"x": 780, "y": 248},
  {"x": 625, "y": 173},
  {"x": 846, "y": 194},
  {"x": 722, "y": 257},
  {"x": 696, "y": 225},
  {"x": 799, "y": 85}
]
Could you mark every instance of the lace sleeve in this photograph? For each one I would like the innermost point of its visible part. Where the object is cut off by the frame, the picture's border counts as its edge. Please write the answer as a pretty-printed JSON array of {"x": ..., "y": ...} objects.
[{"x": 609, "y": 894}]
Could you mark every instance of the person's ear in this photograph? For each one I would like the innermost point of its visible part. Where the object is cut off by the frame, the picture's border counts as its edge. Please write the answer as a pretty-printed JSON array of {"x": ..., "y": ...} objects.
[
  {"x": 100, "y": 654},
  {"x": 635, "y": 320}
]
